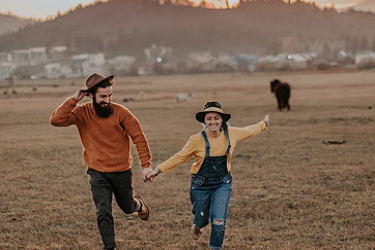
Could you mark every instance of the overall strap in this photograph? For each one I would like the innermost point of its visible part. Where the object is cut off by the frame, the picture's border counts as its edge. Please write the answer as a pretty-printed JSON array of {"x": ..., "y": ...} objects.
[
  {"x": 227, "y": 135},
  {"x": 207, "y": 143}
]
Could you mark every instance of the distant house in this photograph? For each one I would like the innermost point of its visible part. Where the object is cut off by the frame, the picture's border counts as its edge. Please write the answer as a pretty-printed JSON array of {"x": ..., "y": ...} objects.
[
  {"x": 21, "y": 57},
  {"x": 285, "y": 61},
  {"x": 364, "y": 57},
  {"x": 246, "y": 62},
  {"x": 29, "y": 57},
  {"x": 57, "y": 70},
  {"x": 5, "y": 57},
  {"x": 5, "y": 71},
  {"x": 297, "y": 62},
  {"x": 226, "y": 63},
  {"x": 58, "y": 49},
  {"x": 121, "y": 65},
  {"x": 38, "y": 55},
  {"x": 201, "y": 62},
  {"x": 57, "y": 53},
  {"x": 86, "y": 64},
  {"x": 273, "y": 62}
]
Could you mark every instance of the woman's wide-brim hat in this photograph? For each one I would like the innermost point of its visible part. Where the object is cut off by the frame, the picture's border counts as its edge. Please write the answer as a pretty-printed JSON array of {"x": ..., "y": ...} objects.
[
  {"x": 212, "y": 107},
  {"x": 96, "y": 78}
]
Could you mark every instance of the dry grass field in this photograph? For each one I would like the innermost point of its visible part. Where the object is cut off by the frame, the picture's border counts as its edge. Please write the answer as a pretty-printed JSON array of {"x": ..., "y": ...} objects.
[{"x": 290, "y": 190}]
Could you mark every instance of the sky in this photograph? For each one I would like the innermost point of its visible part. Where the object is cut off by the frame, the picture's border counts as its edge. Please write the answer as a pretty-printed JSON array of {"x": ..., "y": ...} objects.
[
  {"x": 38, "y": 8},
  {"x": 43, "y": 8}
]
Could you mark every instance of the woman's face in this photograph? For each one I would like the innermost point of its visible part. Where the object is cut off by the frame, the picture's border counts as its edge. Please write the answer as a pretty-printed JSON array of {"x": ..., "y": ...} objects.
[{"x": 213, "y": 121}]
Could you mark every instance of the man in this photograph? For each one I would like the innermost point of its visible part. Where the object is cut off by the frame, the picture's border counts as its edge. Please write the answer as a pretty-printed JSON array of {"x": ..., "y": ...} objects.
[{"x": 105, "y": 129}]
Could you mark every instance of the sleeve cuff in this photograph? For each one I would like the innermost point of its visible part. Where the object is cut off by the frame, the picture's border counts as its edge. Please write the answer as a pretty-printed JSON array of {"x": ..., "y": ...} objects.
[
  {"x": 161, "y": 170},
  {"x": 146, "y": 165},
  {"x": 263, "y": 125}
]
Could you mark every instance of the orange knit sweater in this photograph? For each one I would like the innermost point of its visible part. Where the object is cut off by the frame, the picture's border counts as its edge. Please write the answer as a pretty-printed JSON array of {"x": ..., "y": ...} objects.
[{"x": 106, "y": 141}]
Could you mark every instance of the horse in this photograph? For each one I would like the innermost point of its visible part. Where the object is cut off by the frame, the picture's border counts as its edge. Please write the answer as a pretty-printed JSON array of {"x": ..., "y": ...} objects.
[{"x": 282, "y": 92}]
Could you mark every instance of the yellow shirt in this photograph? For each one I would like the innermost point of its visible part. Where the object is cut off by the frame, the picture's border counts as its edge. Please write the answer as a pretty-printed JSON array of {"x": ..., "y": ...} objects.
[{"x": 218, "y": 146}]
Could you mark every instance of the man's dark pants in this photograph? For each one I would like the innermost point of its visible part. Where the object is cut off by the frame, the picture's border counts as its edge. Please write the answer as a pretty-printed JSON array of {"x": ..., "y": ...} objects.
[{"x": 103, "y": 185}]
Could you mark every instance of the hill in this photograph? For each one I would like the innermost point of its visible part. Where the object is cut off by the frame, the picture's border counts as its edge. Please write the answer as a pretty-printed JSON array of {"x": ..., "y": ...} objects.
[
  {"x": 365, "y": 6},
  {"x": 128, "y": 26},
  {"x": 11, "y": 23}
]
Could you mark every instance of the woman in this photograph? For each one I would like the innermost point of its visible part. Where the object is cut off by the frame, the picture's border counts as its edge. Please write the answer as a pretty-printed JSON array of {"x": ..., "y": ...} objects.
[{"x": 211, "y": 183}]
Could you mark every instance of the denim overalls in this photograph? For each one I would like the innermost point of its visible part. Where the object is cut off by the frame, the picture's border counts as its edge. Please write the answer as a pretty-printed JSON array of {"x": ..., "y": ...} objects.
[{"x": 210, "y": 192}]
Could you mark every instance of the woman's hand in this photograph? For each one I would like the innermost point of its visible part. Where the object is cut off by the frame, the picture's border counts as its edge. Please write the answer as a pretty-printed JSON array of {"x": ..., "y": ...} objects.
[
  {"x": 151, "y": 175},
  {"x": 266, "y": 119}
]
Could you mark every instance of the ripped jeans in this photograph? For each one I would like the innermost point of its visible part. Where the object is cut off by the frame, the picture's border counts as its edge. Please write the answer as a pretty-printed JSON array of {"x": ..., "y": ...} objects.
[{"x": 210, "y": 200}]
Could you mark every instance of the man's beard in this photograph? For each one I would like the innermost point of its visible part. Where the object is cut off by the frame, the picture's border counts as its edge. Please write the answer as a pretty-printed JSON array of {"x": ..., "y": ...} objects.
[{"x": 103, "y": 112}]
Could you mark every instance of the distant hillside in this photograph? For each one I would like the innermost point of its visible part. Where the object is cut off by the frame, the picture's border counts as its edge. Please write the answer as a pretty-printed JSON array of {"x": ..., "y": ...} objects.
[
  {"x": 365, "y": 6},
  {"x": 9, "y": 23},
  {"x": 121, "y": 27}
]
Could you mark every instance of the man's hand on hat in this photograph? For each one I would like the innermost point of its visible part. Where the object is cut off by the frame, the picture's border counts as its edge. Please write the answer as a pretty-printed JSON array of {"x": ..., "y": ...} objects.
[
  {"x": 266, "y": 119},
  {"x": 80, "y": 94}
]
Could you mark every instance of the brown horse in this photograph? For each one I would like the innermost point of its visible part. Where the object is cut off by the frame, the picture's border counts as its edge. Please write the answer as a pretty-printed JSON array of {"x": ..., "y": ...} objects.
[{"x": 282, "y": 92}]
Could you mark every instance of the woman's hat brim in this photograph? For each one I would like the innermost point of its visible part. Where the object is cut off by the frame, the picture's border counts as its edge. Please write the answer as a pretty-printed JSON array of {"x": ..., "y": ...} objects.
[{"x": 200, "y": 116}]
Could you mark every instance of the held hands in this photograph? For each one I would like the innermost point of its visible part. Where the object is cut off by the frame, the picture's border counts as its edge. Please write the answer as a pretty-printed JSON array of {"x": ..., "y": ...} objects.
[
  {"x": 145, "y": 172},
  {"x": 266, "y": 119},
  {"x": 80, "y": 94},
  {"x": 150, "y": 176}
]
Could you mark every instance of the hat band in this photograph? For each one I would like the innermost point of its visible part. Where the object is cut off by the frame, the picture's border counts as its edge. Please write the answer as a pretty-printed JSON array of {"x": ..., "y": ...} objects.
[{"x": 214, "y": 109}]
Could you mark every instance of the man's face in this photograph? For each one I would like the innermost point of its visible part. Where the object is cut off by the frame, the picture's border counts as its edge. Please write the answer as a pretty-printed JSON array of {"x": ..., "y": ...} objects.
[
  {"x": 102, "y": 101},
  {"x": 103, "y": 96}
]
